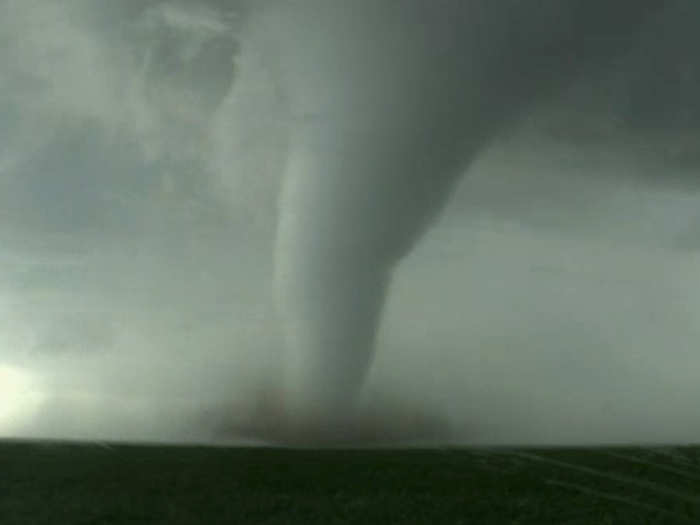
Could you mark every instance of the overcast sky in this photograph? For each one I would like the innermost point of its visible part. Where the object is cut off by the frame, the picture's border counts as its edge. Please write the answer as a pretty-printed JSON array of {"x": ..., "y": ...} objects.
[{"x": 557, "y": 300}]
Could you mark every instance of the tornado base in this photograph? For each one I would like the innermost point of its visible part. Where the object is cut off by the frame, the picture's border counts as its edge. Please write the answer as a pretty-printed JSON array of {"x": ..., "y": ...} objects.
[{"x": 375, "y": 423}]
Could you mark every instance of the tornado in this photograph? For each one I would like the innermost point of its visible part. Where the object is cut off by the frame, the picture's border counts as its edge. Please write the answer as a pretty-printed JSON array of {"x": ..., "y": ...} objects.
[{"x": 389, "y": 102}]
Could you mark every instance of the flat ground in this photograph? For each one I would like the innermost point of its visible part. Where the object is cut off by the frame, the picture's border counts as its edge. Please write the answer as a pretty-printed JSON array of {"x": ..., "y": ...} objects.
[{"x": 77, "y": 483}]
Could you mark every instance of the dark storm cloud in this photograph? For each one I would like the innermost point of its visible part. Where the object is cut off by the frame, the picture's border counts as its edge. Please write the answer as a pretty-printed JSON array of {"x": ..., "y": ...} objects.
[{"x": 142, "y": 150}]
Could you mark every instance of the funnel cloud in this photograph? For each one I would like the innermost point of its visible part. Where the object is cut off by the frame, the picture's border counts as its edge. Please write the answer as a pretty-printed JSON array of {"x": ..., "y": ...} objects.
[
  {"x": 389, "y": 104},
  {"x": 311, "y": 221}
]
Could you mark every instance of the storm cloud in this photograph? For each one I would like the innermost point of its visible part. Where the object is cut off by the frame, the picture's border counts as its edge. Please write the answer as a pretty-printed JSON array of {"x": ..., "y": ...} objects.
[{"x": 171, "y": 172}]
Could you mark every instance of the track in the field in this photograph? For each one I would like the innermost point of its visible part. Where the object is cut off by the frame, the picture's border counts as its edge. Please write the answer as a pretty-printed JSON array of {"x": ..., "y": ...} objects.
[{"x": 47, "y": 483}]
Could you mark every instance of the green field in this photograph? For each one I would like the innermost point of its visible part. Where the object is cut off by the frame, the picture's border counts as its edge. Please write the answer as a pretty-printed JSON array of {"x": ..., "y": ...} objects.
[{"x": 78, "y": 483}]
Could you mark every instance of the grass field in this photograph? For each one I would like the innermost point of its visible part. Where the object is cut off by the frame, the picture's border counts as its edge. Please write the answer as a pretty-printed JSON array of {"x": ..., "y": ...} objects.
[{"x": 78, "y": 483}]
